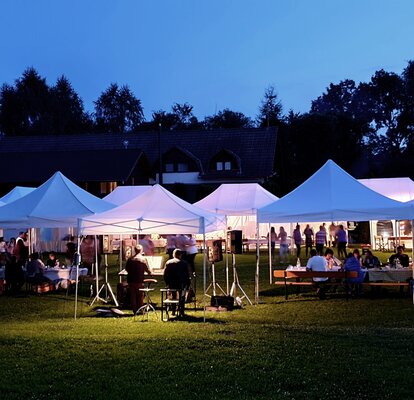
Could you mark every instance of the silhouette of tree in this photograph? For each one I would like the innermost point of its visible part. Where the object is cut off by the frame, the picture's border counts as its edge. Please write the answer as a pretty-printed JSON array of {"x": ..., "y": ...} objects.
[
  {"x": 270, "y": 111},
  {"x": 66, "y": 111},
  {"x": 117, "y": 110},
  {"x": 227, "y": 119}
]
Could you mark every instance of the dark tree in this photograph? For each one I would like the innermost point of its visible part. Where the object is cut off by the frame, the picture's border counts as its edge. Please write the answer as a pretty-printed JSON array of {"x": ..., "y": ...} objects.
[
  {"x": 67, "y": 114},
  {"x": 270, "y": 111},
  {"x": 117, "y": 110},
  {"x": 24, "y": 107},
  {"x": 227, "y": 119}
]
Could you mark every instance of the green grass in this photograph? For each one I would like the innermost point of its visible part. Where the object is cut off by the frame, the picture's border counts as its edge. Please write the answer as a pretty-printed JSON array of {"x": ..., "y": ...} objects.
[{"x": 302, "y": 348}]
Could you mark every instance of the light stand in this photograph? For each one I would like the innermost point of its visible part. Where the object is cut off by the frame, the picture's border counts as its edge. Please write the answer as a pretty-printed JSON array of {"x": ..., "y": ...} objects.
[
  {"x": 236, "y": 282},
  {"x": 105, "y": 286},
  {"x": 214, "y": 285}
]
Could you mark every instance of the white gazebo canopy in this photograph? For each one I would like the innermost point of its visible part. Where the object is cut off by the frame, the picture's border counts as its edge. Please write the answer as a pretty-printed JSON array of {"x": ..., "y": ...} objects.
[
  {"x": 57, "y": 203},
  {"x": 331, "y": 194},
  {"x": 237, "y": 199},
  {"x": 400, "y": 189},
  {"x": 155, "y": 211},
  {"x": 123, "y": 194},
  {"x": 16, "y": 193}
]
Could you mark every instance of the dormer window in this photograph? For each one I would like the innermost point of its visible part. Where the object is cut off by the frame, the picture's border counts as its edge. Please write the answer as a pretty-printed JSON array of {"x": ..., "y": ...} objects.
[
  {"x": 179, "y": 160},
  {"x": 225, "y": 161}
]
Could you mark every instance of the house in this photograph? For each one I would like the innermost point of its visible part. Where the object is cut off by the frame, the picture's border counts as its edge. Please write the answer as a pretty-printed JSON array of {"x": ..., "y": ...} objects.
[{"x": 192, "y": 162}]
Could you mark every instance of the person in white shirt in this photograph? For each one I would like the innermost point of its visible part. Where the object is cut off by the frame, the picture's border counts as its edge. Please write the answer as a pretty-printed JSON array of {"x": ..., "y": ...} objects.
[{"x": 318, "y": 263}]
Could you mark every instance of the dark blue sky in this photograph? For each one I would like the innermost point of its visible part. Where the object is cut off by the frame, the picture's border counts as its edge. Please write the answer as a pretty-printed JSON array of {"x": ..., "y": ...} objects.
[{"x": 212, "y": 54}]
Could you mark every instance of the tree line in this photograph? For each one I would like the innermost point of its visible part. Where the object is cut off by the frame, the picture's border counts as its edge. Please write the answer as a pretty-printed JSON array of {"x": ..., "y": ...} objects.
[{"x": 367, "y": 128}]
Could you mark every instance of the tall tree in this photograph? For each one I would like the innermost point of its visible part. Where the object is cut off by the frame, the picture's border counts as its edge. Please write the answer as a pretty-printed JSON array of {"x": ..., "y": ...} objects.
[
  {"x": 66, "y": 111},
  {"x": 227, "y": 119},
  {"x": 24, "y": 106},
  {"x": 270, "y": 111},
  {"x": 117, "y": 110}
]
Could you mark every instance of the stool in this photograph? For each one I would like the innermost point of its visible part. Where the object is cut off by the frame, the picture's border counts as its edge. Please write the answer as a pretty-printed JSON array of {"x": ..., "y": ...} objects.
[
  {"x": 166, "y": 303},
  {"x": 147, "y": 307}
]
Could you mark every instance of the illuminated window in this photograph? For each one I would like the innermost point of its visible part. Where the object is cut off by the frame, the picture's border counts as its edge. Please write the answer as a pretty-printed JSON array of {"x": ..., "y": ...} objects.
[
  {"x": 219, "y": 166},
  {"x": 227, "y": 166}
]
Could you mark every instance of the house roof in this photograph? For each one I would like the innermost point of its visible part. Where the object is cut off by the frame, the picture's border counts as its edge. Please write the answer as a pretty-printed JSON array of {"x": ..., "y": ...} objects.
[
  {"x": 78, "y": 165},
  {"x": 92, "y": 156}
]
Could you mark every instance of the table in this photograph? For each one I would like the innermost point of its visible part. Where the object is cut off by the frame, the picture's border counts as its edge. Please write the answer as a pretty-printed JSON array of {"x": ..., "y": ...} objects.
[
  {"x": 388, "y": 274},
  {"x": 63, "y": 273}
]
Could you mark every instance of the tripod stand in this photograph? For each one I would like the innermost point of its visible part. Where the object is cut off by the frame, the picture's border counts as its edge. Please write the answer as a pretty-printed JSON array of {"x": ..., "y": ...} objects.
[
  {"x": 214, "y": 285},
  {"x": 107, "y": 288},
  {"x": 236, "y": 283}
]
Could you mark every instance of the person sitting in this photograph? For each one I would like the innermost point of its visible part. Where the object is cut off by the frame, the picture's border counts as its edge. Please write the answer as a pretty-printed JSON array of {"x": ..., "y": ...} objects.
[
  {"x": 352, "y": 264},
  {"x": 370, "y": 260},
  {"x": 51, "y": 261},
  {"x": 357, "y": 255},
  {"x": 318, "y": 263},
  {"x": 70, "y": 253},
  {"x": 331, "y": 260},
  {"x": 177, "y": 276},
  {"x": 35, "y": 269},
  {"x": 403, "y": 259},
  {"x": 136, "y": 267}
]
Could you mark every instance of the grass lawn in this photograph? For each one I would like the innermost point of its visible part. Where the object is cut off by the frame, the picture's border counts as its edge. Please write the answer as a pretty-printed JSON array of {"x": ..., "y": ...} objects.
[{"x": 303, "y": 348}]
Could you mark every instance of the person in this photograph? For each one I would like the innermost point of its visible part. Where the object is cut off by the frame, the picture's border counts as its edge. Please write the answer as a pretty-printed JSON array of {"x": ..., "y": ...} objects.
[
  {"x": 370, "y": 260},
  {"x": 341, "y": 240},
  {"x": 147, "y": 245},
  {"x": 320, "y": 240},
  {"x": 51, "y": 261},
  {"x": 357, "y": 255},
  {"x": 283, "y": 250},
  {"x": 308, "y": 232},
  {"x": 192, "y": 251},
  {"x": 273, "y": 238},
  {"x": 181, "y": 243},
  {"x": 352, "y": 264},
  {"x": 171, "y": 245},
  {"x": 317, "y": 262},
  {"x": 87, "y": 249},
  {"x": 10, "y": 245},
  {"x": 297, "y": 237},
  {"x": 332, "y": 234},
  {"x": 177, "y": 276},
  {"x": 403, "y": 259},
  {"x": 331, "y": 260},
  {"x": 35, "y": 269},
  {"x": 2, "y": 245},
  {"x": 21, "y": 250},
  {"x": 14, "y": 275},
  {"x": 70, "y": 253},
  {"x": 136, "y": 266}
]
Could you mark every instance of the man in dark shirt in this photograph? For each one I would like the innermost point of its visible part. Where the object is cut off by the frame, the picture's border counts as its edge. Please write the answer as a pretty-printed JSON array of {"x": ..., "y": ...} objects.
[
  {"x": 136, "y": 267},
  {"x": 404, "y": 259},
  {"x": 177, "y": 276}
]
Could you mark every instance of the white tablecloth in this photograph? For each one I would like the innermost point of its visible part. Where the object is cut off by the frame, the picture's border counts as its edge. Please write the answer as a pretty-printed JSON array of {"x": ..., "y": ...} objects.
[
  {"x": 66, "y": 273},
  {"x": 389, "y": 275},
  {"x": 294, "y": 268}
]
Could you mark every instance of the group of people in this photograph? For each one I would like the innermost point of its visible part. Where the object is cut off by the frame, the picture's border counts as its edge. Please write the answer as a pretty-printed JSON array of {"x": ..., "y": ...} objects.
[
  {"x": 353, "y": 262},
  {"x": 337, "y": 237},
  {"x": 177, "y": 276}
]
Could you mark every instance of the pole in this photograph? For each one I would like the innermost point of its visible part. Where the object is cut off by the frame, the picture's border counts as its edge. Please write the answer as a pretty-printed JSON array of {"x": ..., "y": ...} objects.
[
  {"x": 204, "y": 268},
  {"x": 77, "y": 262},
  {"x": 257, "y": 261},
  {"x": 269, "y": 247},
  {"x": 227, "y": 258},
  {"x": 159, "y": 154}
]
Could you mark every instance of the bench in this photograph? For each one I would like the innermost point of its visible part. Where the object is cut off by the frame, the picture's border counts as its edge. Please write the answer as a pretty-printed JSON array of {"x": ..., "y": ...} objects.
[{"x": 296, "y": 278}]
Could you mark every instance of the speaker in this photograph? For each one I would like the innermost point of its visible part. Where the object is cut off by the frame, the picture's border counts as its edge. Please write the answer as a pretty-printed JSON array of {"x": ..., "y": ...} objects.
[
  {"x": 215, "y": 251},
  {"x": 236, "y": 242},
  {"x": 222, "y": 301}
]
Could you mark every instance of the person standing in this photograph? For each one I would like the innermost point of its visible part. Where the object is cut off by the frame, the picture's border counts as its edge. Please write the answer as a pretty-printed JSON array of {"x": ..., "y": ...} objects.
[
  {"x": 308, "y": 232},
  {"x": 21, "y": 250},
  {"x": 320, "y": 240},
  {"x": 297, "y": 237},
  {"x": 332, "y": 234},
  {"x": 177, "y": 276},
  {"x": 342, "y": 240},
  {"x": 273, "y": 238},
  {"x": 283, "y": 242},
  {"x": 136, "y": 267}
]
